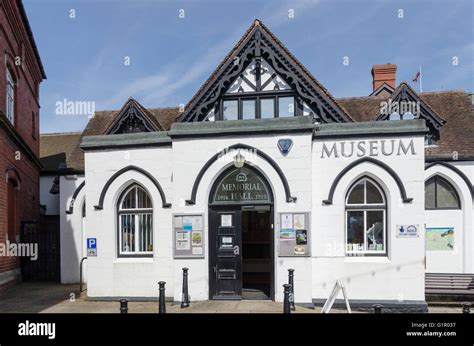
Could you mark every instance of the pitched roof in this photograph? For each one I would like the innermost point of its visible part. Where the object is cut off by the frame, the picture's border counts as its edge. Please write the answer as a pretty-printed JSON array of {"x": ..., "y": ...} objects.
[
  {"x": 453, "y": 106},
  {"x": 56, "y": 148},
  {"x": 258, "y": 25},
  {"x": 102, "y": 120},
  {"x": 362, "y": 108},
  {"x": 456, "y": 108},
  {"x": 149, "y": 118},
  {"x": 404, "y": 88}
]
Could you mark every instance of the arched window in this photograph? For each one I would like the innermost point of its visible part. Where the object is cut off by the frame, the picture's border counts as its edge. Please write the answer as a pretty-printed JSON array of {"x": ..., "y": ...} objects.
[
  {"x": 440, "y": 194},
  {"x": 135, "y": 219},
  {"x": 366, "y": 210},
  {"x": 10, "y": 106}
]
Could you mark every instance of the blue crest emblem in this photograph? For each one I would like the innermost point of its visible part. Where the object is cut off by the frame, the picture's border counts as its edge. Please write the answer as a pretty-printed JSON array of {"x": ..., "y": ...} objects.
[{"x": 285, "y": 145}]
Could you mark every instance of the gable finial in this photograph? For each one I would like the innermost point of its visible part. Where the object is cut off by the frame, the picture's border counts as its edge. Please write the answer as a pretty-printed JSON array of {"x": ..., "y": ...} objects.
[{"x": 257, "y": 22}]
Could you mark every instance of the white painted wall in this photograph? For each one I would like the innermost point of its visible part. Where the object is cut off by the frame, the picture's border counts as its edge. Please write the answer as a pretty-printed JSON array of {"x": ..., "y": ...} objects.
[
  {"x": 108, "y": 275},
  {"x": 72, "y": 237},
  {"x": 460, "y": 259},
  {"x": 46, "y": 198},
  {"x": 398, "y": 276},
  {"x": 188, "y": 158}
]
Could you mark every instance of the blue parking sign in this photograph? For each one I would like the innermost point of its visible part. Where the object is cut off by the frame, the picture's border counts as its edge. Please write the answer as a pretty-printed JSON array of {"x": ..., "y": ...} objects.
[{"x": 92, "y": 243}]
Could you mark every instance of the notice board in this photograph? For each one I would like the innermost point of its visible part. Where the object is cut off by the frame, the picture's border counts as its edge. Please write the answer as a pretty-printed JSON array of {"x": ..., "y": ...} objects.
[
  {"x": 188, "y": 236},
  {"x": 294, "y": 235}
]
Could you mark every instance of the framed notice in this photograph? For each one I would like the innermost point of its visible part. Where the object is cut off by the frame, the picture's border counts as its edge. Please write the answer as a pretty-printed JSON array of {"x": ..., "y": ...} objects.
[
  {"x": 294, "y": 235},
  {"x": 439, "y": 238},
  {"x": 188, "y": 236}
]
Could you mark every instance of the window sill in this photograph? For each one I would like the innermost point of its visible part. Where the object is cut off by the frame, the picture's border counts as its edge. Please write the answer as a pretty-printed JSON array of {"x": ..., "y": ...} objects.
[
  {"x": 366, "y": 259},
  {"x": 134, "y": 260}
]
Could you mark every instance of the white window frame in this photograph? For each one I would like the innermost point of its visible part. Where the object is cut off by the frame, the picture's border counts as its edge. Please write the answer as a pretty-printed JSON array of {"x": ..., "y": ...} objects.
[
  {"x": 366, "y": 207},
  {"x": 10, "y": 100},
  {"x": 136, "y": 212}
]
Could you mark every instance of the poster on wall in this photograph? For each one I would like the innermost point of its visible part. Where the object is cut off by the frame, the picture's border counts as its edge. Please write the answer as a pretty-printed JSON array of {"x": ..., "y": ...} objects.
[
  {"x": 286, "y": 221},
  {"x": 226, "y": 220},
  {"x": 188, "y": 236},
  {"x": 197, "y": 238},
  {"x": 287, "y": 235},
  {"x": 182, "y": 240},
  {"x": 301, "y": 237},
  {"x": 298, "y": 221},
  {"x": 439, "y": 238},
  {"x": 293, "y": 235}
]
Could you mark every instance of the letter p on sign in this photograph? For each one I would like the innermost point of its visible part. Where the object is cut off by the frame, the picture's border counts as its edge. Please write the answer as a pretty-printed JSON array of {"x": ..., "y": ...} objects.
[{"x": 91, "y": 247}]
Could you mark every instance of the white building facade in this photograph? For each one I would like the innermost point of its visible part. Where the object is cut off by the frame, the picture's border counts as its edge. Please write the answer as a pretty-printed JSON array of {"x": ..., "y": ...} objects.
[{"x": 265, "y": 171}]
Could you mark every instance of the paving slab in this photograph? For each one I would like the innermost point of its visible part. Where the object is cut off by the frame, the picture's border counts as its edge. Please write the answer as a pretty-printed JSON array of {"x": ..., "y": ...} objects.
[{"x": 55, "y": 298}]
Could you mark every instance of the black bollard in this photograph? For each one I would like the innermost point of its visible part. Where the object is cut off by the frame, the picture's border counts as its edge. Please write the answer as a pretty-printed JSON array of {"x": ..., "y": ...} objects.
[
  {"x": 377, "y": 308},
  {"x": 292, "y": 289},
  {"x": 466, "y": 307},
  {"x": 286, "y": 300},
  {"x": 185, "y": 297},
  {"x": 162, "y": 305},
  {"x": 124, "y": 306}
]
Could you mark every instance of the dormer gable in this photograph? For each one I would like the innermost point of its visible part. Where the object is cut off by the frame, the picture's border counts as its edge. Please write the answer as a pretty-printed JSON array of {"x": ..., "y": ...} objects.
[
  {"x": 405, "y": 104},
  {"x": 260, "y": 68},
  {"x": 133, "y": 118}
]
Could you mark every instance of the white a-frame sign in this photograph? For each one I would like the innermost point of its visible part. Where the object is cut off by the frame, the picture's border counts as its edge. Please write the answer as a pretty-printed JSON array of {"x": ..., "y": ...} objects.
[{"x": 339, "y": 286}]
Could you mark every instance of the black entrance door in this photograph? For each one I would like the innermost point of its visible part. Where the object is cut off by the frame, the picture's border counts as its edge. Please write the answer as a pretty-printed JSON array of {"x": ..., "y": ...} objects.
[
  {"x": 225, "y": 243},
  {"x": 238, "y": 189}
]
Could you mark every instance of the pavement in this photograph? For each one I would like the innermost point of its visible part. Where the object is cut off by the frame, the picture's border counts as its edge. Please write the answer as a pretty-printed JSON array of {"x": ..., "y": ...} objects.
[{"x": 28, "y": 297}]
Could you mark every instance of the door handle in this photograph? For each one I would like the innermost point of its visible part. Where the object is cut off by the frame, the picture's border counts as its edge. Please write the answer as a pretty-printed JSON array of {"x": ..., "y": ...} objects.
[{"x": 236, "y": 250}]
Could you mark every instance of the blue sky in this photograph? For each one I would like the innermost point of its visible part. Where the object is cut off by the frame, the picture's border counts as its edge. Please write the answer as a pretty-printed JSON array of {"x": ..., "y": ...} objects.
[{"x": 170, "y": 57}]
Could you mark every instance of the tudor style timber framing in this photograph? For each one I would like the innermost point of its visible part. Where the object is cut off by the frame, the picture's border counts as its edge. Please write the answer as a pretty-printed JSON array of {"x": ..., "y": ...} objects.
[
  {"x": 258, "y": 43},
  {"x": 405, "y": 93},
  {"x": 132, "y": 118}
]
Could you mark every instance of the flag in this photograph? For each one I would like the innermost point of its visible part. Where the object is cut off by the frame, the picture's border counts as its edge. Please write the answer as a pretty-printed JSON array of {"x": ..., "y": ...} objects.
[{"x": 418, "y": 74}]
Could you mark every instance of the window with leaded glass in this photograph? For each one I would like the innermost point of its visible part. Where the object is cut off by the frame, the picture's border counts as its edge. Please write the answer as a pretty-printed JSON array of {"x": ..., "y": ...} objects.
[
  {"x": 135, "y": 219},
  {"x": 366, "y": 210},
  {"x": 440, "y": 194}
]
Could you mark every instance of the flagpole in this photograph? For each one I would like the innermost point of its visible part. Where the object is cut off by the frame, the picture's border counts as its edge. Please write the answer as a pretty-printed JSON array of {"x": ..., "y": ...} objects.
[{"x": 421, "y": 83}]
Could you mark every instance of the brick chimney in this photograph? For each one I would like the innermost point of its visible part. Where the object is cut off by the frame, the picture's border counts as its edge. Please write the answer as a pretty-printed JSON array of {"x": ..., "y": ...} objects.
[{"x": 384, "y": 73}]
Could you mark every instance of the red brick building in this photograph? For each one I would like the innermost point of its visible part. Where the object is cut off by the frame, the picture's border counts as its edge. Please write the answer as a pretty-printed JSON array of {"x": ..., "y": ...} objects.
[{"x": 21, "y": 73}]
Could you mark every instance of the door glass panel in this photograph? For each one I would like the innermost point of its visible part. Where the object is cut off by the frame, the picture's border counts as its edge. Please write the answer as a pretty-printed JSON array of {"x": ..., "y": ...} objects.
[{"x": 226, "y": 220}]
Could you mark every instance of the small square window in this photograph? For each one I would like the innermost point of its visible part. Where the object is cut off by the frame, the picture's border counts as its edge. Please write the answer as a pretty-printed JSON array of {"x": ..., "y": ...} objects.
[
  {"x": 231, "y": 110},
  {"x": 286, "y": 107},
  {"x": 248, "y": 109},
  {"x": 267, "y": 108}
]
